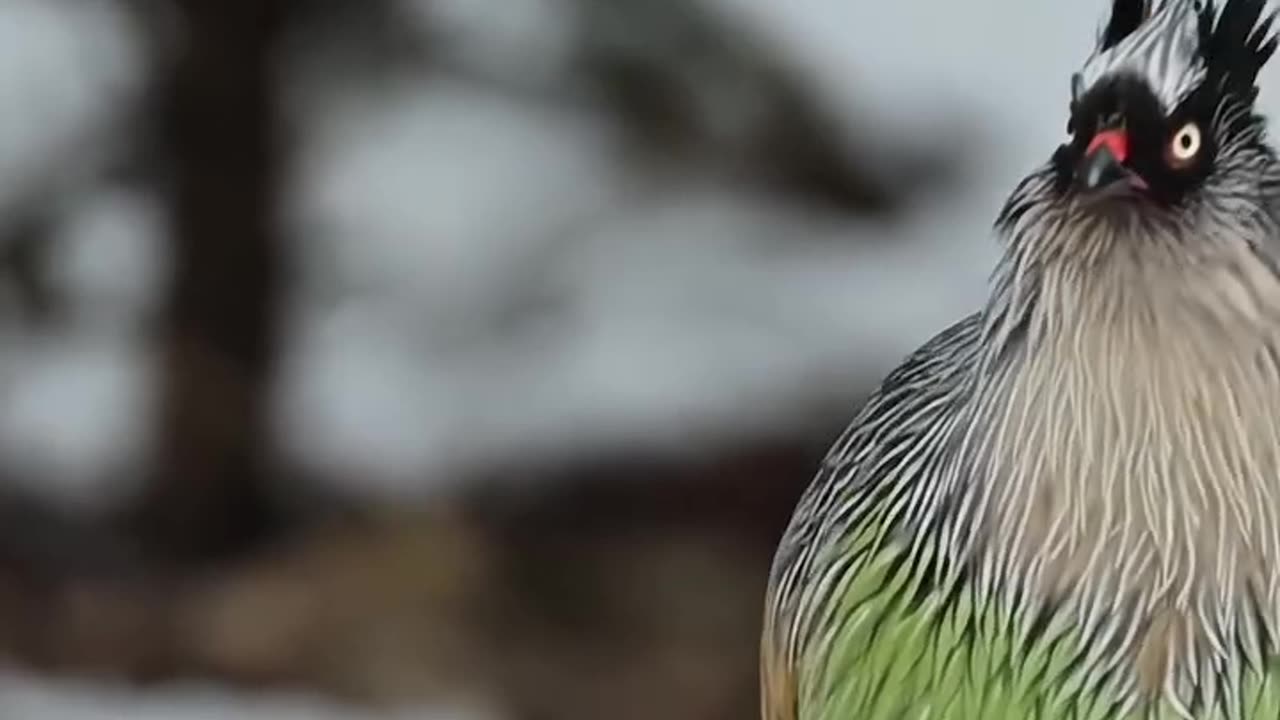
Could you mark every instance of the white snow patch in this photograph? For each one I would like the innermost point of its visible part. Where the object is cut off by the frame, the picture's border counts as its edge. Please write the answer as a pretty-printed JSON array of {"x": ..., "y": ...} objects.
[{"x": 34, "y": 698}]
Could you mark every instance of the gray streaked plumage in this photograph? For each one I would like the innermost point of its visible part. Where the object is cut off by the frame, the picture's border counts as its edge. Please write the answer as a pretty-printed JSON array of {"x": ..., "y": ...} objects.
[
  {"x": 1098, "y": 449},
  {"x": 1162, "y": 50}
]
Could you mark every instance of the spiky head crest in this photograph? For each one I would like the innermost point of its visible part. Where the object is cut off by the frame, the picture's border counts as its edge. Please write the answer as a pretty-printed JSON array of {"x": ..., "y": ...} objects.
[{"x": 1182, "y": 45}]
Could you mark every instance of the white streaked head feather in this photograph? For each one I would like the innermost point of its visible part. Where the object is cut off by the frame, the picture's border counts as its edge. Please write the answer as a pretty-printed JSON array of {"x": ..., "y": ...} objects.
[{"x": 1164, "y": 51}]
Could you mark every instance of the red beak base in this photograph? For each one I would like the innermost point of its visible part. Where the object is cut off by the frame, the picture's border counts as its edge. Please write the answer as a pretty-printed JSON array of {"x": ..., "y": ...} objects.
[
  {"x": 1117, "y": 141},
  {"x": 1103, "y": 164}
]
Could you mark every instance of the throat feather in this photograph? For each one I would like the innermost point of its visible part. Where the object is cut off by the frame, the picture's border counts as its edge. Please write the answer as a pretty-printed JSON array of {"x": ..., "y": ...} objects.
[{"x": 1134, "y": 461}]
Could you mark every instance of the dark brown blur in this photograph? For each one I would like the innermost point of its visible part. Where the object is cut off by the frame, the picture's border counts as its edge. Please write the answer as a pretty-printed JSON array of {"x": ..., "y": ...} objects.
[{"x": 434, "y": 358}]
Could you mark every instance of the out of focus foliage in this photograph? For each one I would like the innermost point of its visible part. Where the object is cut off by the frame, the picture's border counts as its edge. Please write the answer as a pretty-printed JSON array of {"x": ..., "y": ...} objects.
[{"x": 451, "y": 354}]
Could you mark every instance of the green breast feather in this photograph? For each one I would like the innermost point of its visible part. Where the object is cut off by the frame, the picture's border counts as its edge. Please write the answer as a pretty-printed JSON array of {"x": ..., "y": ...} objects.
[
  {"x": 874, "y": 625},
  {"x": 893, "y": 652}
]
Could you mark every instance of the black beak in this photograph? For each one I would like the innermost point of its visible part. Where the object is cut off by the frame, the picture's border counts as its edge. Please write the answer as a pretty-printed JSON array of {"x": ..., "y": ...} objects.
[{"x": 1100, "y": 170}]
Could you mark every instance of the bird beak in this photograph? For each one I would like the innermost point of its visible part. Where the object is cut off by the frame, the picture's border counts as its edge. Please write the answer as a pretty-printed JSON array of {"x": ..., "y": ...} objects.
[{"x": 1102, "y": 167}]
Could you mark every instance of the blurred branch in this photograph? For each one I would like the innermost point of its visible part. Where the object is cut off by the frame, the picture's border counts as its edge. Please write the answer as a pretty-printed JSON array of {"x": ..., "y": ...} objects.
[
  {"x": 24, "y": 257},
  {"x": 208, "y": 495},
  {"x": 687, "y": 81},
  {"x": 693, "y": 87}
]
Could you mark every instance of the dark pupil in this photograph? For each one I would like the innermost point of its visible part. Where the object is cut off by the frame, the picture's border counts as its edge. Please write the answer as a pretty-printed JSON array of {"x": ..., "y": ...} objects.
[{"x": 1186, "y": 141}]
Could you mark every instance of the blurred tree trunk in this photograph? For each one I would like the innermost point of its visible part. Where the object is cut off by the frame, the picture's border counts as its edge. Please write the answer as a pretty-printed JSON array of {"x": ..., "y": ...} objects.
[{"x": 222, "y": 144}]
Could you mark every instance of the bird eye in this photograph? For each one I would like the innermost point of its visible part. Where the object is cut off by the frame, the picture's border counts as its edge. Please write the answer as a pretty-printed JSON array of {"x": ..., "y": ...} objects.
[{"x": 1185, "y": 144}]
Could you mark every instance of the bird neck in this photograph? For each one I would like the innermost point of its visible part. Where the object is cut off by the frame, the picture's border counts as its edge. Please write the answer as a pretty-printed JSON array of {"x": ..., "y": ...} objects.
[{"x": 1130, "y": 415}]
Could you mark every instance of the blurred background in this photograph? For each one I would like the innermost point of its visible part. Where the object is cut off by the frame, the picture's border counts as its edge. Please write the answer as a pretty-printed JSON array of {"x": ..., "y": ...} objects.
[{"x": 463, "y": 358}]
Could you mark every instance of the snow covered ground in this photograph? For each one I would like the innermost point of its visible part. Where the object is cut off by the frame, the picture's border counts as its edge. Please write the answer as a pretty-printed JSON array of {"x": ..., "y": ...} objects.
[{"x": 30, "y": 698}]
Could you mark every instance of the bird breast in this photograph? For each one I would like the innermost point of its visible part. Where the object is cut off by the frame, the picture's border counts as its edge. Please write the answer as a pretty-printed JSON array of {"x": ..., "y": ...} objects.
[{"x": 1133, "y": 461}]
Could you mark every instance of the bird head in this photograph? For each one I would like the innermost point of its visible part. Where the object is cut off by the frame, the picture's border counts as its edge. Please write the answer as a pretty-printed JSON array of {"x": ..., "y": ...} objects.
[
  {"x": 1166, "y": 171},
  {"x": 1161, "y": 117},
  {"x": 1162, "y": 112}
]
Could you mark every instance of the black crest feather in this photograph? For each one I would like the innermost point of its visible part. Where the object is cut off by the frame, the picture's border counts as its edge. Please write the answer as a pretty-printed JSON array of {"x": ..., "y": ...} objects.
[
  {"x": 1126, "y": 16},
  {"x": 1236, "y": 43}
]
